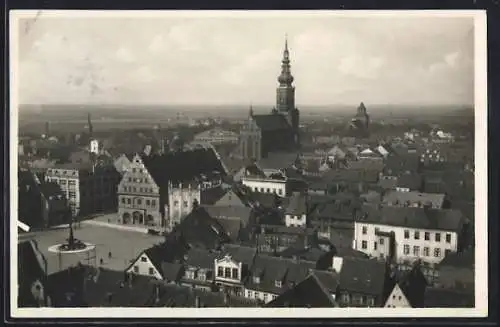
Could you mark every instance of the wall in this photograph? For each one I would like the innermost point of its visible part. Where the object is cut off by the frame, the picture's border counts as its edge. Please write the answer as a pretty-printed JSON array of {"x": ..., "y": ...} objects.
[{"x": 399, "y": 232}]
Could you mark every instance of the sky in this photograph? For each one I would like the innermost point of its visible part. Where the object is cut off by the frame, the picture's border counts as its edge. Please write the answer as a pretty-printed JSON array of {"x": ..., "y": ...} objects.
[{"x": 222, "y": 60}]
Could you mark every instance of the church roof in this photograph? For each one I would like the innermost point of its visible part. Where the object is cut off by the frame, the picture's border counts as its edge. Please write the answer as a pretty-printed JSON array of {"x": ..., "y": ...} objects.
[{"x": 271, "y": 122}]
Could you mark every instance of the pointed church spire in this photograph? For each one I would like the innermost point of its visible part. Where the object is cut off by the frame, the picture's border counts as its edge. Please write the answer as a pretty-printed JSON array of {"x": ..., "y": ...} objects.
[
  {"x": 285, "y": 78},
  {"x": 89, "y": 121},
  {"x": 250, "y": 112}
]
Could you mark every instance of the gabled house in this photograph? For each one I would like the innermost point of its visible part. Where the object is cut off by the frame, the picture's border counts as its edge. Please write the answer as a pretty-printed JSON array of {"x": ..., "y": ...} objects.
[
  {"x": 232, "y": 198},
  {"x": 409, "y": 289},
  {"x": 232, "y": 267},
  {"x": 234, "y": 220},
  {"x": 296, "y": 211},
  {"x": 199, "y": 269},
  {"x": 151, "y": 262},
  {"x": 160, "y": 190},
  {"x": 309, "y": 293},
  {"x": 362, "y": 282},
  {"x": 271, "y": 276}
]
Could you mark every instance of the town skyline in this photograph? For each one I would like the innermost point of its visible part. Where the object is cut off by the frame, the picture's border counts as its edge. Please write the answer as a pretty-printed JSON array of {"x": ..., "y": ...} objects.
[{"x": 187, "y": 61}]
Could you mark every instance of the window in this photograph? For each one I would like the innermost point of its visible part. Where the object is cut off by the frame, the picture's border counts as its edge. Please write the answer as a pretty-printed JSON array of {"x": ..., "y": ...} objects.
[
  {"x": 268, "y": 190},
  {"x": 426, "y": 251},
  {"x": 133, "y": 170},
  {"x": 185, "y": 204},
  {"x": 130, "y": 179},
  {"x": 139, "y": 201},
  {"x": 345, "y": 298},
  {"x": 256, "y": 189},
  {"x": 140, "y": 171},
  {"x": 148, "y": 202},
  {"x": 375, "y": 246},
  {"x": 417, "y": 235},
  {"x": 437, "y": 252},
  {"x": 135, "y": 190},
  {"x": 136, "y": 269},
  {"x": 365, "y": 230},
  {"x": 220, "y": 272},
  {"x": 73, "y": 183},
  {"x": 72, "y": 194},
  {"x": 63, "y": 182},
  {"x": 381, "y": 241},
  {"x": 364, "y": 245},
  {"x": 262, "y": 189},
  {"x": 123, "y": 200},
  {"x": 416, "y": 251},
  {"x": 176, "y": 203},
  {"x": 448, "y": 238},
  {"x": 153, "y": 203},
  {"x": 151, "y": 271},
  {"x": 438, "y": 237},
  {"x": 235, "y": 273},
  {"x": 274, "y": 190},
  {"x": 280, "y": 191},
  {"x": 407, "y": 234},
  {"x": 406, "y": 249},
  {"x": 427, "y": 236},
  {"x": 128, "y": 201},
  {"x": 144, "y": 259},
  {"x": 227, "y": 272},
  {"x": 277, "y": 283}
]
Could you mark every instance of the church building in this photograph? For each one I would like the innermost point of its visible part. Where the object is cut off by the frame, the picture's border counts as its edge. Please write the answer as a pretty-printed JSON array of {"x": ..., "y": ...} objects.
[{"x": 279, "y": 130}]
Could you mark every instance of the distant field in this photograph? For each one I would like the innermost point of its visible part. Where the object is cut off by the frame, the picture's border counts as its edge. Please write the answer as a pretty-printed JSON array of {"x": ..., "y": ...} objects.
[{"x": 73, "y": 118}]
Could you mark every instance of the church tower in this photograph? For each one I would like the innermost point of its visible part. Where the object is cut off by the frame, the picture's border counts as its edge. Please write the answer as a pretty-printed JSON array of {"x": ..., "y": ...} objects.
[
  {"x": 285, "y": 93},
  {"x": 285, "y": 96}
]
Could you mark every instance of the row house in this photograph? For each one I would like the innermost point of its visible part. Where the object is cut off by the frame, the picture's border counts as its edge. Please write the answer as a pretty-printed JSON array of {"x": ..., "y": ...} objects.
[
  {"x": 232, "y": 267},
  {"x": 89, "y": 188},
  {"x": 405, "y": 198},
  {"x": 160, "y": 190},
  {"x": 407, "y": 234},
  {"x": 274, "y": 184},
  {"x": 272, "y": 276},
  {"x": 361, "y": 282},
  {"x": 41, "y": 204},
  {"x": 277, "y": 238},
  {"x": 334, "y": 215}
]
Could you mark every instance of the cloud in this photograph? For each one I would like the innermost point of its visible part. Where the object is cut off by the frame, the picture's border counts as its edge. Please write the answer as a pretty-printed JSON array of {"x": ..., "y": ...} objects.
[
  {"x": 124, "y": 55},
  {"x": 234, "y": 60}
]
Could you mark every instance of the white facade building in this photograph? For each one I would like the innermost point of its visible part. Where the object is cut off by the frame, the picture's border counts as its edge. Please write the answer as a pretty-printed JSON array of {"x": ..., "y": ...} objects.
[
  {"x": 409, "y": 244},
  {"x": 266, "y": 185},
  {"x": 181, "y": 199}
]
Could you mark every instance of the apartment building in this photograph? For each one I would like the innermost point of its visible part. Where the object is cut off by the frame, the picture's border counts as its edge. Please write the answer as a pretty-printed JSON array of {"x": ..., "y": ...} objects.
[
  {"x": 407, "y": 234},
  {"x": 89, "y": 188}
]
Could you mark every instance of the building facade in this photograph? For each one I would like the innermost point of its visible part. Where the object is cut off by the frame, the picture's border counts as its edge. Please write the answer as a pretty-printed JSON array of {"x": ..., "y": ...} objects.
[
  {"x": 89, "y": 188},
  {"x": 139, "y": 196},
  {"x": 405, "y": 240}
]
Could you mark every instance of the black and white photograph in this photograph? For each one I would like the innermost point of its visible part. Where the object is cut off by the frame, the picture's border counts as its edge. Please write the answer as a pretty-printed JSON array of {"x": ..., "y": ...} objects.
[{"x": 248, "y": 164}]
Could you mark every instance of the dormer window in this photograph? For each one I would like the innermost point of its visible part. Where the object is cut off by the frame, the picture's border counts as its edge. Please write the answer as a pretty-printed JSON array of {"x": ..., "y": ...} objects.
[{"x": 277, "y": 283}]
